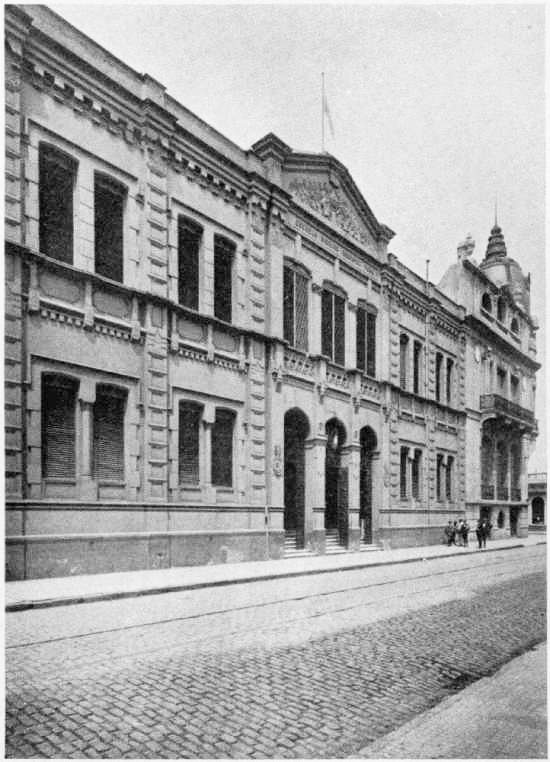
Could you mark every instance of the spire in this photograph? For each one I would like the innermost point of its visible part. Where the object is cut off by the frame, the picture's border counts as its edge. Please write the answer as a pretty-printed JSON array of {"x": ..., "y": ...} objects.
[{"x": 496, "y": 247}]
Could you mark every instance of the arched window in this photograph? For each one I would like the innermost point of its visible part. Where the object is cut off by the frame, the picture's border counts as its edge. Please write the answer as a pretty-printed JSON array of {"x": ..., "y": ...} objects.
[
  {"x": 486, "y": 303},
  {"x": 514, "y": 325},
  {"x": 501, "y": 309}
]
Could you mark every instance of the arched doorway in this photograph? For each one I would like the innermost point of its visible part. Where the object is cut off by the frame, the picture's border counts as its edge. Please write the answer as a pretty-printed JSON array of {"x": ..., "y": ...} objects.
[
  {"x": 537, "y": 510},
  {"x": 336, "y": 483},
  {"x": 296, "y": 431},
  {"x": 368, "y": 444}
]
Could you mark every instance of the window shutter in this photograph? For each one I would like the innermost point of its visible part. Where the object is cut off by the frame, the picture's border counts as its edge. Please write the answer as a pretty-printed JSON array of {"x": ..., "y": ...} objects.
[
  {"x": 224, "y": 251},
  {"x": 301, "y": 312},
  {"x": 222, "y": 448},
  {"x": 361, "y": 341},
  {"x": 189, "y": 238},
  {"x": 449, "y": 485},
  {"x": 55, "y": 203},
  {"x": 108, "y": 230},
  {"x": 416, "y": 474},
  {"x": 58, "y": 428},
  {"x": 403, "y": 472},
  {"x": 326, "y": 324},
  {"x": 339, "y": 330},
  {"x": 403, "y": 359},
  {"x": 189, "y": 424},
  {"x": 371, "y": 344},
  {"x": 288, "y": 305},
  {"x": 109, "y": 434}
]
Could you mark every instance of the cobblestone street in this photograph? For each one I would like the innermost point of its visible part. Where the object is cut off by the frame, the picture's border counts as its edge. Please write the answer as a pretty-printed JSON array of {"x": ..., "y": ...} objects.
[{"x": 305, "y": 668}]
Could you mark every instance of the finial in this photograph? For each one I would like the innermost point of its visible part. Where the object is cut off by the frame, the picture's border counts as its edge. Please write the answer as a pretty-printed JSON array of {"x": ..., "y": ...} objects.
[{"x": 496, "y": 209}]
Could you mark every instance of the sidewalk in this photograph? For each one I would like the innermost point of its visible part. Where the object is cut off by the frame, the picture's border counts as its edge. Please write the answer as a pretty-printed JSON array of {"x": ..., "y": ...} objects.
[{"x": 61, "y": 591}]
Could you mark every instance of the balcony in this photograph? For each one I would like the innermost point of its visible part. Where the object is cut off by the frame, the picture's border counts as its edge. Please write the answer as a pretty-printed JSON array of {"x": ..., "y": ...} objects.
[
  {"x": 487, "y": 492},
  {"x": 494, "y": 403},
  {"x": 502, "y": 493}
]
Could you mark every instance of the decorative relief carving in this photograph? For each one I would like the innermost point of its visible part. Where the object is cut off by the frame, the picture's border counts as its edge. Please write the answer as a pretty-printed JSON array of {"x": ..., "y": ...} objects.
[
  {"x": 112, "y": 304},
  {"x": 60, "y": 288},
  {"x": 330, "y": 203}
]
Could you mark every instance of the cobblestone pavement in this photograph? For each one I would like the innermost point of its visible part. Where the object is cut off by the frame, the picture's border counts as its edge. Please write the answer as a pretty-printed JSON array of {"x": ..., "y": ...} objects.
[{"x": 285, "y": 672}]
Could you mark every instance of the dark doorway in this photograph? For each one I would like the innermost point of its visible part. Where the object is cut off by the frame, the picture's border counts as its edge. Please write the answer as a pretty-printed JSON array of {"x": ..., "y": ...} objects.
[
  {"x": 514, "y": 515},
  {"x": 537, "y": 509},
  {"x": 336, "y": 481},
  {"x": 368, "y": 446},
  {"x": 296, "y": 431}
]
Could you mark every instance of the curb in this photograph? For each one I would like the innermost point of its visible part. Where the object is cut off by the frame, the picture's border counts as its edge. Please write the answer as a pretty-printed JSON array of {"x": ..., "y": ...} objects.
[{"x": 113, "y": 596}]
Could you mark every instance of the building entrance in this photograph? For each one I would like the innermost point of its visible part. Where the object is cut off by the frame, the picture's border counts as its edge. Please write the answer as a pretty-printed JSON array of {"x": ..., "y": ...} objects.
[
  {"x": 514, "y": 515},
  {"x": 336, "y": 483},
  {"x": 368, "y": 446},
  {"x": 296, "y": 431}
]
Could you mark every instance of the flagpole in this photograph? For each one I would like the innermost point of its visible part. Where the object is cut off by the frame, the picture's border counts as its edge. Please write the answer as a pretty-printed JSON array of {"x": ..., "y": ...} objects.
[{"x": 322, "y": 112}]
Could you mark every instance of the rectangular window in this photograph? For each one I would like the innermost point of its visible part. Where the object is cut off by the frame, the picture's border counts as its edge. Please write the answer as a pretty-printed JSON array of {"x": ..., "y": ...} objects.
[
  {"x": 222, "y": 448},
  {"x": 189, "y": 241},
  {"x": 403, "y": 472},
  {"x": 415, "y": 477},
  {"x": 108, "y": 226},
  {"x": 333, "y": 327},
  {"x": 371, "y": 344},
  {"x": 417, "y": 355},
  {"x": 108, "y": 461},
  {"x": 449, "y": 380},
  {"x": 190, "y": 414},
  {"x": 438, "y": 367},
  {"x": 295, "y": 303},
  {"x": 57, "y": 174},
  {"x": 224, "y": 252},
  {"x": 403, "y": 360},
  {"x": 438, "y": 477},
  {"x": 449, "y": 479},
  {"x": 514, "y": 387},
  {"x": 361, "y": 342},
  {"x": 58, "y": 427},
  {"x": 501, "y": 376}
]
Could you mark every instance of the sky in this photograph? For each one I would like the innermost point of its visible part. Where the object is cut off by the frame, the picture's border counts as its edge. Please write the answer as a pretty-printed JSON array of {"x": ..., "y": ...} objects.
[{"x": 436, "y": 109}]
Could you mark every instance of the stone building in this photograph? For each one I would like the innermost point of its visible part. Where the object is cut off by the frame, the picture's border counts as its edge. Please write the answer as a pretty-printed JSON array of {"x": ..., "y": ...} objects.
[
  {"x": 537, "y": 486},
  {"x": 212, "y": 356}
]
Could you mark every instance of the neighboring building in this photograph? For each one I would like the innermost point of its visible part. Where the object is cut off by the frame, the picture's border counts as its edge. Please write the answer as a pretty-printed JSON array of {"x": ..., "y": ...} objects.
[
  {"x": 537, "y": 491},
  {"x": 210, "y": 353}
]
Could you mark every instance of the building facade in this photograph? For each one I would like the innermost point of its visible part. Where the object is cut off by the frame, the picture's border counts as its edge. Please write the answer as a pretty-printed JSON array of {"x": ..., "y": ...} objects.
[
  {"x": 211, "y": 354},
  {"x": 537, "y": 496}
]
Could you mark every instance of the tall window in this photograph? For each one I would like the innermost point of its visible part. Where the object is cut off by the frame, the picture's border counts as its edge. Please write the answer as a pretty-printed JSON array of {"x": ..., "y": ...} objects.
[
  {"x": 224, "y": 252},
  {"x": 450, "y": 365},
  {"x": 501, "y": 377},
  {"x": 58, "y": 427},
  {"x": 438, "y": 366},
  {"x": 189, "y": 241},
  {"x": 501, "y": 309},
  {"x": 403, "y": 359},
  {"x": 222, "y": 448},
  {"x": 403, "y": 472},
  {"x": 366, "y": 340},
  {"x": 57, "y": 173},
  {"x": 417, "y": 359},
  {"x": 449, "y": 479},
  {"x": 190, "y": 414},
  {"x": 108, "y": 443},
  {"x": 295, "y": 301},
  {"x": 333, "y": 327},
  {"x": 487, "y": 458},
  {"x": 514, "y": 388},
  {"x": 486, "y": 303},
  {"x": 439, "y": 477},
  {"x": 108, "y": 226},
  {"x": 416, "y": 471}
]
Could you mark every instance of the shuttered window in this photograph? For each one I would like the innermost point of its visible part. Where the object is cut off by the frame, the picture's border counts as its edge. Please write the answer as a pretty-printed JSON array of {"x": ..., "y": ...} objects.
[
  {"x": 57, "y": 173},
  {"x": 108, "y": 443},
  {"x": 438, "y": 366},
  {"x": 288, "y": 305},
  {"x": 190, "y": 414},
  {"x": 415, "y": 477},
  {"x": 339, "y": 330},
  {"x": 222, "y": 448},
  {"x": 403, "y": 359},
  {"x": 189, "y": 241},
  {"x": 295, "y": 285},
  {"x": 371, "y": 344},
  {"x": 361, "y": 341},
  {"x": 108, "y": 227},
  {"x": 438, "y": 476},
  {"x": 403, "y": 467},
  {"x": 326, "y": 324},
  {"x": 333, "y": 326},
  {"x": 449, "y": 480},
  {"x": 224, "y": 252},
  {"x": 58, "y": 427},
  {"x": 449, "y": 380},
  {"x": 417, "y": 356},
  {"x": 366, "y": 341}
]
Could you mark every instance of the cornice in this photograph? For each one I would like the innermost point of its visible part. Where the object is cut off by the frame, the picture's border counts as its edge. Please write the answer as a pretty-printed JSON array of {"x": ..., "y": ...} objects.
[{"x": 480, "y": 328}]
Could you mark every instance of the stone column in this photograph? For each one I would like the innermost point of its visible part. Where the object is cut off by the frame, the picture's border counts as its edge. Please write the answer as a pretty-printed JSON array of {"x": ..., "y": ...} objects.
[
  {"x": 86, "y": 397},
  {"x": 314, "y": 327},
  {"x": 209, "y": 492},
  {"x": 314, "y": 530},
  {"x": 351, "y": 336},
  {"x": 351, "y": 455}
]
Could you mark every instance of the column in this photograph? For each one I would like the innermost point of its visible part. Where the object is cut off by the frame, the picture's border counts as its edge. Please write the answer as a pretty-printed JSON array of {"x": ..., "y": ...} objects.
[
  {"x": 314, "y": 326},
  {"x": 314, "y": 530},
  {"x": 351, "y": 336},
  {"x": 209, "y": 492},
  {"x": 351, "y": 455},
  {"x": 86, "y": 397}
]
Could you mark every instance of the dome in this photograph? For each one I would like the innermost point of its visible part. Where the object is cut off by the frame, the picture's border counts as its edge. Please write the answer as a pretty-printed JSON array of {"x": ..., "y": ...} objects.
[{"x": 505, "y": 271}]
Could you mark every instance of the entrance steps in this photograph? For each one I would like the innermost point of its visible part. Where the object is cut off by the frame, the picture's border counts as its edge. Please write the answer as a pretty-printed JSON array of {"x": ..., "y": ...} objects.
[
  {"x": 367, "y": 547},
  {"x": 291, "y": 549},
  {"x": 332, "y": 543}
]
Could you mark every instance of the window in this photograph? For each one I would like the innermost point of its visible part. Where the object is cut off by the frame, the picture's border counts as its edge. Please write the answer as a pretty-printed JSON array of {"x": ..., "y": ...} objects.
[
  {"x": 501, "y": 377},
  {"x": 486, "y": 303},
  {"x": 366, "y": 340},
  {"x": 438, "y": 366},
  {"x": 58, "y": 427},
  {"x": 487, "y": 453},
  {"x": 295, "y": 302},
  {"x": 500, "y": 520},
  {"x": 415, "y": 480},
  {"x": 222, "y": 448},
  {"x": 190, "y": 414},
  {"x": 417, "y": 355},
  {"x": 438, "y": 477},
  {"x": 403, "y": 359},
  {"x": 333, "y": 329},
  {"x": 514, "y": 387},
  {"x": 501, "y": 309},
  {"x": 189, "y": 241},
  {"x": 449, "y": 479},
  {"x": 108, "y": 444},
  {"x": 57, "y": 173},
  {"x": 403, "y": 472},
  {"x": 450, "y": 365},
  {"x": 108, "y": 223},
  {"x": 224, "y": 251},
  {"x": 514, "y": 325}
]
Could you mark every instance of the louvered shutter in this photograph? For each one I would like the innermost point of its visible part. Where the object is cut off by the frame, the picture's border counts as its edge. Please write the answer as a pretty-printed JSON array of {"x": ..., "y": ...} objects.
[
  {"x": 403, "y": 472},
  {"x": 58, "y": 428},
  {"x": 224, "y": 251},
  {"x": 371, "y": 344},
  {"x": 108, "y": 235},
  {"x": 339, "y": 330},
  {"x": 222, "y": 448},
  {"x": 188, "y": 451},
  {"x": 360, "y": 339},
  {"x": 288, "y": 305},
  {"x": 109, "y": 434},
  {"x": 301, "y": 312},
  {"x": 189, "y": 238},
  {"x": 326, "y": 324}
]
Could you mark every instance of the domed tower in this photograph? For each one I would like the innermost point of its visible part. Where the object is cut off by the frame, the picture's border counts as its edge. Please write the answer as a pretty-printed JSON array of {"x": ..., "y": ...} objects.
[{"x": 505, "y": 271}]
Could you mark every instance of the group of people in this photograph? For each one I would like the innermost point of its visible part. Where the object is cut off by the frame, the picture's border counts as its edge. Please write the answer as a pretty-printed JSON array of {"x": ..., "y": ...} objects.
[{"x": 457, "y": 533}]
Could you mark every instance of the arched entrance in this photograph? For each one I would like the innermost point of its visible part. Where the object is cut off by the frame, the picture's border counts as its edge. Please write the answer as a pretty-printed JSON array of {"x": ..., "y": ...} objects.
[
  {"x": 296, "y": 432},
  {"x": 537, "y": 510},
  {"x": 368, "y": 446},
  {"x": 336, "y": 483}
]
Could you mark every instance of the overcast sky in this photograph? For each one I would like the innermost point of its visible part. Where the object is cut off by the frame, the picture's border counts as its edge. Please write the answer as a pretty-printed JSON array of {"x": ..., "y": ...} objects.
[{"x": 435, "y": 108}]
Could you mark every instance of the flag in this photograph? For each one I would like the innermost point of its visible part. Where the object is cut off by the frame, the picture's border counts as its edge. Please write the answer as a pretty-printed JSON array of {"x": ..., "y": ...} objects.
[{"x": 326, "y": 112}]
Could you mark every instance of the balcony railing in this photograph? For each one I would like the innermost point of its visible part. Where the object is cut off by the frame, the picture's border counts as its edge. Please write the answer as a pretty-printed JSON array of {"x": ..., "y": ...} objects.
[
  {"x": 515, "y": 494},
  {"x": 502, "y": 405},
  {"x": 502, "y": 493},
  {"x": 487, "y": 491}
]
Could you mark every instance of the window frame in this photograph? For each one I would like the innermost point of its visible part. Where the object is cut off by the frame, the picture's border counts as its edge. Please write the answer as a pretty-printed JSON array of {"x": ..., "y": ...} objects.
[
  {"x": 197, "y": 408},
  {"x": 215, "y": 437},
  {"x": 49, "y": 153},
  {"x": 107, "y": 183},
  {"x": 334, "y": 293},
  {"x": 64, "y": 381},
  {"x": 225, "y": 251},
  {"x": 120, "y": 393},
  {"x": 196, "y": 230},
  {"x": 296, "y": 271}
]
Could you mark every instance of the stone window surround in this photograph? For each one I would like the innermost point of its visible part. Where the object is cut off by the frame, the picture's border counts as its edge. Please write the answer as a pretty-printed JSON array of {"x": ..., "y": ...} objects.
[
  {"x": 413, "y": 450},
  {"x": 412, "y": 338},
  {"x": 445, "y": 398},
  {"x": 301, "y": 269},
  {"x": 444, "y": 460}
]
